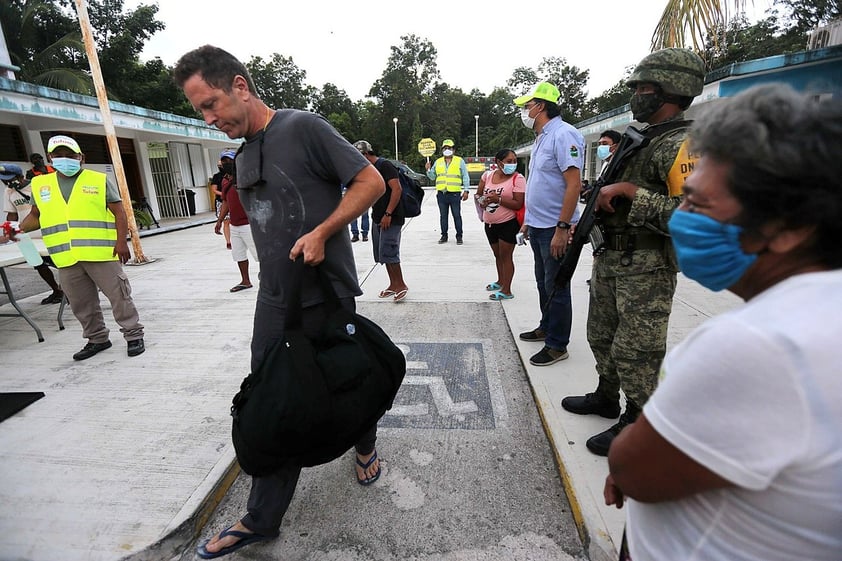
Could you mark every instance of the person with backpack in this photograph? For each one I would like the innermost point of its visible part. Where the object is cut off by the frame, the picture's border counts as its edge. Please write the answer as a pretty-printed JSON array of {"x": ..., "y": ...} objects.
[
  {"x": 500, "y": 194},
  {"x": 387, "y": 216}
]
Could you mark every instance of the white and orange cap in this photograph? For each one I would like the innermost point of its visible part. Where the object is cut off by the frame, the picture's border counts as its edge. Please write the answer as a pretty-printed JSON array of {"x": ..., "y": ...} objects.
[{"x": 62, "y": 140}]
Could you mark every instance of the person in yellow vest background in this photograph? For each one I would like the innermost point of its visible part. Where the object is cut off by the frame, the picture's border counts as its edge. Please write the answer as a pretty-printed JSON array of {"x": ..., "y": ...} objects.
[
  {"x": 84, "y": 228},
  {"x": 452, "y": 183}
]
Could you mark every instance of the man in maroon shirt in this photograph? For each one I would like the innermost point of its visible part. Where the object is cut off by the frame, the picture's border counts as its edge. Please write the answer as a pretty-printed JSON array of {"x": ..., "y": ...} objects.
[{"x": 241, "y": 240}]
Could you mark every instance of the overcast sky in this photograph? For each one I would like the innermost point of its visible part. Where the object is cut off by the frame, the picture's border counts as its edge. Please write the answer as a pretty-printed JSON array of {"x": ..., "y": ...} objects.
[{"x": 479, "y": 42}]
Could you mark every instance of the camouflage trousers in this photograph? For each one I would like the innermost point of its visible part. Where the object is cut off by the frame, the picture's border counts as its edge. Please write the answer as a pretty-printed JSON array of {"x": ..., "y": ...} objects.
[{"x": 627, "y": 331}]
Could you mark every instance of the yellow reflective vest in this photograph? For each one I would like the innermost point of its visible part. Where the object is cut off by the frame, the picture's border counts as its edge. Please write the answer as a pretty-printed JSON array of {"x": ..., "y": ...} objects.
[
  {"x": 449, "y": 178},
  {"x": 81, "y": 228}
]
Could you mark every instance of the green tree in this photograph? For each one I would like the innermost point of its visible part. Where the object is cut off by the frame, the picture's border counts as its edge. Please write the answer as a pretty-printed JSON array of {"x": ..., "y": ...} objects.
[
  {"x": 506, "y": 129},
  {"x": 703, "y": 20},
  {"x": 522, "y": 80},
  {"x": 120, "y": 37},
  {"x": 741, "y": 42},
  {"x": 410, "y": 76},
  {"x": 570, "y": 81},
  {"x": 615, "y": 96},
  {"x": 154, "y": 88},
  {"x": 280, "y": 82},
  {"x": 46, "y": 44},
  {"x": 44, "y": 39},
  {"x": 335, "y": 105},
  {"x": 807, "y": 14}
]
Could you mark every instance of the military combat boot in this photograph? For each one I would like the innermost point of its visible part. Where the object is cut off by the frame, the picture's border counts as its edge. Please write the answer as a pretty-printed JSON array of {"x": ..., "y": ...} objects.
[
  {"x": 600, "y": 443},
  {"x": 595, "y": 403},
  {"x": 592, "y": 404}
]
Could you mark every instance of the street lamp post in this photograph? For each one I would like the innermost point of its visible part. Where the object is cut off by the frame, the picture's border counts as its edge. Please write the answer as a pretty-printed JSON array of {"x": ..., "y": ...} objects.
[
  {"x": 476, "y": 119},
  {"x": 395, "y": 120}
]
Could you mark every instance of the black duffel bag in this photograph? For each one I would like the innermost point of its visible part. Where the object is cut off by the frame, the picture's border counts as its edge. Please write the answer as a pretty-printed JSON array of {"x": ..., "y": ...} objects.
[{"x": 313, "y": 398}]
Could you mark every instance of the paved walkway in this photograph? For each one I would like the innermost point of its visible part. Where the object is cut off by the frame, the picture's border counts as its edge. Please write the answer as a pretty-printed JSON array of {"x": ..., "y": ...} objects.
[{"x": 126, "y": 457}]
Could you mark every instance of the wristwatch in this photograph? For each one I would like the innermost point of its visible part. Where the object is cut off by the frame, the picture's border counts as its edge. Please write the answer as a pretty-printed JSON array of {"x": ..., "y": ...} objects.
[
  {"x": 563, "y": 225},
  {"x": 387, "y": 214}
]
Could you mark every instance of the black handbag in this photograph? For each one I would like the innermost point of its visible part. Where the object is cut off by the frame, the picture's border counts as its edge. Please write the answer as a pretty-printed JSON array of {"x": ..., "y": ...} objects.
[{"x": 313, "y": 398}]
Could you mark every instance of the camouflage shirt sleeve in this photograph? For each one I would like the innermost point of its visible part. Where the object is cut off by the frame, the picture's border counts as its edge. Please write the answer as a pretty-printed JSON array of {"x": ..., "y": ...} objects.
[{"x": 670, "y": 164}]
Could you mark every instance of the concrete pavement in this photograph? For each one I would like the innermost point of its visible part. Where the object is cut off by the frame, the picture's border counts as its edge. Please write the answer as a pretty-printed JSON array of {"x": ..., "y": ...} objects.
[{"x": 127, "y": 457}]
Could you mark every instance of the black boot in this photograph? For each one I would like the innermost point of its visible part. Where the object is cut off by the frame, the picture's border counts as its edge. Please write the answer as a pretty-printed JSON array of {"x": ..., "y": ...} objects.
[
  {"x": 600, "y": 443},
  {"x": 596, "y": 403},
  {"x": 592, "y": 404}
]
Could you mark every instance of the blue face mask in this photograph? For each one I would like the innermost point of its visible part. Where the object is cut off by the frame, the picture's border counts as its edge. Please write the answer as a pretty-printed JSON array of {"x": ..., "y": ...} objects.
[
  {"x": 603, "y": 151},
  {"x": 67, "y": 166},
  {"x": 708, "y": 251},
  {"x": 509, "y": 169}
]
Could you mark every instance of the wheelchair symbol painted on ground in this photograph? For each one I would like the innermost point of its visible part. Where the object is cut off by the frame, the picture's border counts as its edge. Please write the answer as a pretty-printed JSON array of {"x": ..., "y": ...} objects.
[{"x": 448, "y": 386}]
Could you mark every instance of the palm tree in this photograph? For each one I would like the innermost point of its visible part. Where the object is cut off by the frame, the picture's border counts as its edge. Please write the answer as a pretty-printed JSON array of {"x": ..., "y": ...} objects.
[
  {"x": 694, "y": 19},
  {"x": 45, "y": 57}
]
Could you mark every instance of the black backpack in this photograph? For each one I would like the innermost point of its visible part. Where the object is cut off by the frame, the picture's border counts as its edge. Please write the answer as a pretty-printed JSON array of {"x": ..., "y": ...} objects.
[{"x": 412, "y": 195}]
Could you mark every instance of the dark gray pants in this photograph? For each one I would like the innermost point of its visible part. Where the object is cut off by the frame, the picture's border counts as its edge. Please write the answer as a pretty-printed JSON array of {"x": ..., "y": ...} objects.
[{"x": 270, "y": 495}]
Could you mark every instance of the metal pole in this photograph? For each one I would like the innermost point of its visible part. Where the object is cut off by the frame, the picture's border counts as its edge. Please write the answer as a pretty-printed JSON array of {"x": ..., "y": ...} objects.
[
  {"x": 476, "y": 118},
  {"x": 395, "y": 120}
]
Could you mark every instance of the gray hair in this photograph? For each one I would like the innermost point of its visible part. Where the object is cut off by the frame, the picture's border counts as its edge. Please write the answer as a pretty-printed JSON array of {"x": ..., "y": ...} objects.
[{"x": 785, "y": 151}]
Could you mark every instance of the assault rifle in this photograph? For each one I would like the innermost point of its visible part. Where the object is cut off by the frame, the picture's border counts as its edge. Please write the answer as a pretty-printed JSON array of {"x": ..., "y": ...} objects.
[{"x": 631, "y": 141}]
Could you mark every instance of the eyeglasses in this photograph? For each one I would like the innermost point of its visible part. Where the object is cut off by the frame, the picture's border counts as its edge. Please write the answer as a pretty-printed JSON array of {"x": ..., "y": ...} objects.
[{"x": 260, "y": 181}]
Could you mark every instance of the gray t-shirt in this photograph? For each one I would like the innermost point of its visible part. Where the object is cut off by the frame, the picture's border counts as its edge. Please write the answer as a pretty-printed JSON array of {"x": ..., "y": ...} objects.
[{"x": 304, "y": 163}]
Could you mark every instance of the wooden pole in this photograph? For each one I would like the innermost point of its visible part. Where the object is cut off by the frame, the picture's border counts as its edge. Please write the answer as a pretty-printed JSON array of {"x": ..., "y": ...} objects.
[{"x": 110, "y": 133}]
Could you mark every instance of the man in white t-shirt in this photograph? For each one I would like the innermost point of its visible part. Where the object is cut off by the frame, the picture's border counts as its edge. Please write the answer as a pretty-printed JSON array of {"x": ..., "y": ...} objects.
[
  {"x": 17, "y": 202},
  {"x": 737, "y": 455}
]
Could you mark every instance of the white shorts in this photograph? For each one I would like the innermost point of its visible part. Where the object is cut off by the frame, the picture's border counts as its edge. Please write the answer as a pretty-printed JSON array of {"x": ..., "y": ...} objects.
[{"x": 242, "y": 243}]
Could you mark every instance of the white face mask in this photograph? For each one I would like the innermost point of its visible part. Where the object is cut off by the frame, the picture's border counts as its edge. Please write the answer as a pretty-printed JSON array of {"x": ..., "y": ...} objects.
[
  {"x": 447, "y": 153},
  {"x": 528, "y": 122}
]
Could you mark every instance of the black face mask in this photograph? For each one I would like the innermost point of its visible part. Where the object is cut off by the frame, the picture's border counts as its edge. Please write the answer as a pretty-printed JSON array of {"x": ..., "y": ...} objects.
[
  {"x": 644, "y": 106},
  {"x": 228, "y": 168}
]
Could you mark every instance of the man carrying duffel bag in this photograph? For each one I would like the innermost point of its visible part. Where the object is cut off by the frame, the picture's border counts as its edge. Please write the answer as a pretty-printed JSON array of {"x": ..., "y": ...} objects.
[{"x": 289, "y": 172}]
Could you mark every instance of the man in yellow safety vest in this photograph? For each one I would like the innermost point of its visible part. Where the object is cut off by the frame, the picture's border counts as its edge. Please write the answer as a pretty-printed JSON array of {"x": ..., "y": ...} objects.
[
  {"x": 451, "y": 176},
  {"x": 84, "y": 227}
]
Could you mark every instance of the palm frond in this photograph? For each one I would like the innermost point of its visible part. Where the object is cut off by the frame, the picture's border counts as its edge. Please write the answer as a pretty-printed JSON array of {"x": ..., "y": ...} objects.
[{"x": 692, "y": 20}]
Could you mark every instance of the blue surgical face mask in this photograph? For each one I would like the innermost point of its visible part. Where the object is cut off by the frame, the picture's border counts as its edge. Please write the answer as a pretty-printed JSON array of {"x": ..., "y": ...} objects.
[
  {"x": 509, "y": 169},
  {"x": 603, "y": 151},
  {"x": 708, "y": 251},
  {"x": 67, "y": 166}
]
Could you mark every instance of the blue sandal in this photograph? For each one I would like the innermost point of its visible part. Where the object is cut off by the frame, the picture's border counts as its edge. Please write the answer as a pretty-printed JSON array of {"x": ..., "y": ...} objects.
[
  {"x": 497, "y": 296},
  {"x": 493, "y": 286},
  {"x": 365, "y": 466},
  {"x": 244, "y": 539}
]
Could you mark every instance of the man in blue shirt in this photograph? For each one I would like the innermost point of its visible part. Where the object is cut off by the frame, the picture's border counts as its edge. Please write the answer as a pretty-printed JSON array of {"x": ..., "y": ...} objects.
[{"x": 552, "y": 191}]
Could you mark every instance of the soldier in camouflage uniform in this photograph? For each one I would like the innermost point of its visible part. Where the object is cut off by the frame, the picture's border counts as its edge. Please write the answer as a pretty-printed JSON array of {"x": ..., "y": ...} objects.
[{"x": 634, "y": 280}]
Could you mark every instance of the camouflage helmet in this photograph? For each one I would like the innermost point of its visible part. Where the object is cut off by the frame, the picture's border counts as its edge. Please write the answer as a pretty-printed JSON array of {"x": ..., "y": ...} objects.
[{"x": 676, "y": 71}]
